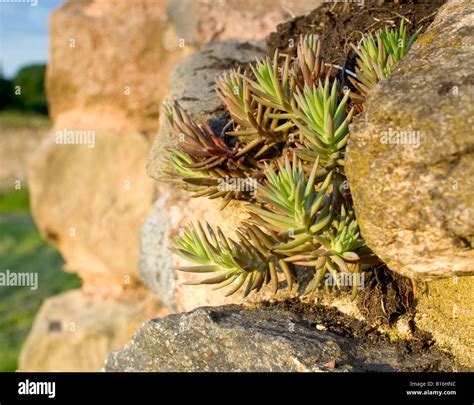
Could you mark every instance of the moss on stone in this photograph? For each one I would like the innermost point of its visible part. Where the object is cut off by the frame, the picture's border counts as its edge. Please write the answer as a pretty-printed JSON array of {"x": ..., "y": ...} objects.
[
  {"x": 426, "y": 39},
  {"x": 446, "y": 310}
]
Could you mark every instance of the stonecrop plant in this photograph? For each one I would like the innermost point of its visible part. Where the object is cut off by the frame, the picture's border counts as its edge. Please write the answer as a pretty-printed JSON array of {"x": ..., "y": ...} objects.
[
  {"x": 288, "y": 131},
  {"x": 376, "y": 55}
]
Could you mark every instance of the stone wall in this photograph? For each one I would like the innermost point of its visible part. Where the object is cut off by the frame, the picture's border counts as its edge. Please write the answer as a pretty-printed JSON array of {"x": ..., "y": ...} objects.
[
  {"x": 111, "y": 67},
  {"x": 192, "y": 86},
  {"x": 109, "y": 70},
  {"x": 90, "y": 198}
]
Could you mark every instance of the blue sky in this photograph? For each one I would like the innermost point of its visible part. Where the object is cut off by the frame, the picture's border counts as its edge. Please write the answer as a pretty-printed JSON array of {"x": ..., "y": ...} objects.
[{"x": 24, "y": 33}]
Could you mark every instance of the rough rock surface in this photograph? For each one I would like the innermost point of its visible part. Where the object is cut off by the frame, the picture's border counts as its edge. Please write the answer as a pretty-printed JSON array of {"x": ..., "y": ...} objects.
[
  {"x": 109, "y": 61},
  {"x": 192, "y": 85},
  {"x": 91, "y": 202},
  {"x": 75, "y": 331},
  {"x": 410, "y": 157},
  {"x": 137, "y": 43},
  {"x": 235, "y": 338},
  {"x": 446, "y": 310},
  {"x": 198, "y": 22}
]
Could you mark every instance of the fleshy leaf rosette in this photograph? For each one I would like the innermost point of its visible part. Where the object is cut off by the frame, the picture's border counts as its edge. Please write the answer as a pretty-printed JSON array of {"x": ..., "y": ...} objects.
[
  {"x": 376, "y": 55},
  {"x": 288, "y": 130}
]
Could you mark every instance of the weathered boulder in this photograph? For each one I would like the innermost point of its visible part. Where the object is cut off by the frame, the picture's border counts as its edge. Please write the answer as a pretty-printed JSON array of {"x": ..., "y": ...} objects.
[
  {"x": 192, "y": 85},
  {"x": 172, "y": 210},
  {"x": 111, "y": 62},
  {"x": 410, "y": 163},
  {"x": 446, "y": 310},
  {"x": 138, "y": 43},
  {"x": 235, "y": 338},
  {"x": 74, "y": 331},
  {"x": 90, "y": 202},
  {"x": 107, "y": 74},
  {"x": 198, "y": 22}
]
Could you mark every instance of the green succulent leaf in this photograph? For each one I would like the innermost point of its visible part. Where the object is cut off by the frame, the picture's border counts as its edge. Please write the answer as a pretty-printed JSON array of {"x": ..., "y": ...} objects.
[
  {"x": 376, "y": 55},
  {"x": 273, "y": 84},
  {"x": 230, "y": 264},
  {"x": 309, "y": 62},
  {"x": 323, "y": 120},
  {"x": 288, "y": 133}
]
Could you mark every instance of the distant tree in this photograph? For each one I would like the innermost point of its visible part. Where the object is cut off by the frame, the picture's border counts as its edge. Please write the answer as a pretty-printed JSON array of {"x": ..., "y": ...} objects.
[
  {"x": 6, "y": 93},
  {"x": 29, "y": 83}
]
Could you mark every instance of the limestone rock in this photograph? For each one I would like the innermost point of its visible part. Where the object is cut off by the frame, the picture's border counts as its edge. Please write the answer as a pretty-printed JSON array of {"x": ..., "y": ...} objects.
[
  {"x": 410, "y": 164},
  {"x": 446, "y": 310},
  {"x": 192, "y": 85},
  {"x": 234, "y": 338},
  {"x": 91, "y": 202},
  {"x": 110, "y": 60},
  {"x": 198, "y": 22},
  {"x": 74, "y": 331}
]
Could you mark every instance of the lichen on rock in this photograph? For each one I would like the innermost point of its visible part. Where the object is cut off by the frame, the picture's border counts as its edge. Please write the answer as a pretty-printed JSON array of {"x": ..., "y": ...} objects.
[
  {"x": 409, "y": 161},
  {"x": 235, "y": 338}
]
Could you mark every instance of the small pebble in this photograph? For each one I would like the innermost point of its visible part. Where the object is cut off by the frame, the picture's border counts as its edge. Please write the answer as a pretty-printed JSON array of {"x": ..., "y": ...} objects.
[{"x": 330, "y": 364}]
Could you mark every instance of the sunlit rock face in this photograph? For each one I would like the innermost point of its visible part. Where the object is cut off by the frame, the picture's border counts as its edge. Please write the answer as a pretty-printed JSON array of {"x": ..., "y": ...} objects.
[{"x": 410, "y": 157}]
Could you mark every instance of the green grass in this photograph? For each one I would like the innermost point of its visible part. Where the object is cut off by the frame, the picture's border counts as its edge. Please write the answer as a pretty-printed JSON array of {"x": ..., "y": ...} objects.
[
  {"x": 14, "y": 201},
  {"x": 19, "y": 119},
  {"x": 22, "y": 249}
]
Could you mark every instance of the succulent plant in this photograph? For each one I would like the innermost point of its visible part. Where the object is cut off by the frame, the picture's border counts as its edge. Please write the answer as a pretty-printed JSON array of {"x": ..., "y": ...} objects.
[
  {"x": 323, "y": 121},
  {"x": 376, "y": 55},
  {"x": 299, "y": 221},
  {"x": 204, "y": 161},
  {"x": 293, "y": 205},
  {"x": 288, "y": 132},
  {"x": 244, "y": 264},
  {"x": 274, "y": 85},
  {"x": 256, "y": 125},
  {"x": 309, "y": 212},
  {"x": 309, "y": 62},
  {"x": 198, "y": 140}
]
